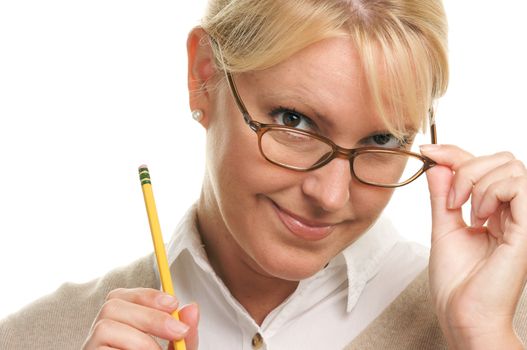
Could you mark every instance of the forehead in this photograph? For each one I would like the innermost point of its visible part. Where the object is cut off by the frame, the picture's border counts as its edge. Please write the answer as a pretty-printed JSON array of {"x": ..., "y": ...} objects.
[
  {"x": 324, "y": 79},
  {"x": 329, "y": 76},
  {"x": 331, "y": 65}
]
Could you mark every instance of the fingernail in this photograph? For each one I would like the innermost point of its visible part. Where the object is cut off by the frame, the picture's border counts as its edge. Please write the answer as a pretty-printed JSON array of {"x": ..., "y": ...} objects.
[
  {"x": 167, "y": 300},
  {"x": 451, "y": 199},
  {"x": 177, "y": 327},
  {"x": 429, "y": 148}
]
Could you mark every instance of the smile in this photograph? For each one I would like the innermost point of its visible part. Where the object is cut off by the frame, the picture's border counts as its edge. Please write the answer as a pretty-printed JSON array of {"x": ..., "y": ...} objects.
[{"x": 303, "y": 228}]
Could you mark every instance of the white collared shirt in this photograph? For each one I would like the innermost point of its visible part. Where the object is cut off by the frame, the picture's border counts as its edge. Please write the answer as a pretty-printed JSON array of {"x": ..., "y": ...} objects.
[{"x": 326, "y": 311}]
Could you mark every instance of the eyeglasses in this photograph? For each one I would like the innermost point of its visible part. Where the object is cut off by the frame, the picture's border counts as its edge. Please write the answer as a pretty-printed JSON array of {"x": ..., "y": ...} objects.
[{"x": 301, "y": 150}]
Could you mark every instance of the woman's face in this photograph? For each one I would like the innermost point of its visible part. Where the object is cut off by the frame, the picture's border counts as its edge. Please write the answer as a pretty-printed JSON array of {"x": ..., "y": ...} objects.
[{"x": 280, "y": 222}]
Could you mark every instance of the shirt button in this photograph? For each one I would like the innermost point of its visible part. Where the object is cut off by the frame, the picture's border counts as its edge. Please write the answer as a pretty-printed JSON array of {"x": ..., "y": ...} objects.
[{"x": 257, "y": 341}]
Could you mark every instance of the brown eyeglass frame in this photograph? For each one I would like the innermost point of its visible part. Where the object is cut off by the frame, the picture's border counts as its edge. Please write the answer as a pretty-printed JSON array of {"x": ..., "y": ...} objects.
[{"x": 337, "y": 152}]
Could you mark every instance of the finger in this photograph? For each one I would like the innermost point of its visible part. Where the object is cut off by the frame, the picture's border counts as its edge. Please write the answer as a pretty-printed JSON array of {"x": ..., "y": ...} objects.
[
  {"x": 448, "y": 155},
  {"x": 509, "y": 196},
  {"x": 496, "y": 223},
  {"x": 511, "y": 169},
  {"x": 473, "y": 171},
  {"x": 512, "y": 191},
  {"x": 467, "y": 168},
  {"x": 148, "y": 297},
  {"x": 110, "y": 334},
  {"x": 146, "y": 319},
  {"x": 190, "y": 315},
  {"x": 444, "y": 220}
]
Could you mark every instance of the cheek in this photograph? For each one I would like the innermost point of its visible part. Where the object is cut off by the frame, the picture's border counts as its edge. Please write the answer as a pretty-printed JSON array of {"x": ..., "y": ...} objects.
[
  {"x": 369, "y": 201},
  {"x": 235, "y": 168},
  {"x": 232, "y": 154},
  {"x": 235, "y": 164}
]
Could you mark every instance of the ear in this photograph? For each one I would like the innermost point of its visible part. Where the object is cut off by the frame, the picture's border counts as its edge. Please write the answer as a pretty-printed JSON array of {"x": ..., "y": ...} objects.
[{"x": 201, "y": 69}]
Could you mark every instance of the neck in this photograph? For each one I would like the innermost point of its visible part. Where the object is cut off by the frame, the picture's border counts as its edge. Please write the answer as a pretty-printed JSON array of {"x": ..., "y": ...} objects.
[{"x": 258, "y": 292}]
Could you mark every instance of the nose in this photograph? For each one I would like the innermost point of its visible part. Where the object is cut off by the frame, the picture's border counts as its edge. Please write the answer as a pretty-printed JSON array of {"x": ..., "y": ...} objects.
[{"x": 329, "y": 186}]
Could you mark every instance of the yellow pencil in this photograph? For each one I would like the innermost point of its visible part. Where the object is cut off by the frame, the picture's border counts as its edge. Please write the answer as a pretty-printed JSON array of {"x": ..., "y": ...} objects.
[{"x": 159, "y": 245}]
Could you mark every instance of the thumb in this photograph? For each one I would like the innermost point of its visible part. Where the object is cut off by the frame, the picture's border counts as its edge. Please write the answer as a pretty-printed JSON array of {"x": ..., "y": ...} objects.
[
  {"x": 189, "y": 314},
  {"x": 444, "y": 220}
]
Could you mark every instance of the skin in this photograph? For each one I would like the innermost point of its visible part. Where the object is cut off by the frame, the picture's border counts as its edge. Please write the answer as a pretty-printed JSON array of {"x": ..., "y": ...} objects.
[
  {"x": 478, "y": 271},
  {"x": 129, "y": 318},
  {"x": 476, "y": 274},
  {"x": 256, "y": 256}
]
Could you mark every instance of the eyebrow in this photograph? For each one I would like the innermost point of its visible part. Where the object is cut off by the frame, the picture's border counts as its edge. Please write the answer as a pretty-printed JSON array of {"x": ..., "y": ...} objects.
[
  {"x": 305, "y": 107},
  {"x": 308, "y": 110}
]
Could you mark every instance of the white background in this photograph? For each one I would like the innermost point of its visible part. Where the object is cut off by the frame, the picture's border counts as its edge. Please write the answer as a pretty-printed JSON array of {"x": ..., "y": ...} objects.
[{"x": 89, "y": 90}]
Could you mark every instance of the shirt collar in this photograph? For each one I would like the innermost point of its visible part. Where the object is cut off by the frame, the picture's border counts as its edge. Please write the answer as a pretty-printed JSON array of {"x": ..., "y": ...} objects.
[
  {"x": 186, "y": 237},
  {"x": 362, "y": 259}
]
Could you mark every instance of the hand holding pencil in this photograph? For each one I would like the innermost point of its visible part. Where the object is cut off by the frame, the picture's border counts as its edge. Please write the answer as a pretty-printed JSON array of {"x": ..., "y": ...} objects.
[{"x": 131, "y": 317}]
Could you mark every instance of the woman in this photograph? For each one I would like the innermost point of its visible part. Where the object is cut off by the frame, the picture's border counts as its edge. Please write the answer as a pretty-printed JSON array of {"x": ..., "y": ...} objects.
[{"x": 284, "y": 235}]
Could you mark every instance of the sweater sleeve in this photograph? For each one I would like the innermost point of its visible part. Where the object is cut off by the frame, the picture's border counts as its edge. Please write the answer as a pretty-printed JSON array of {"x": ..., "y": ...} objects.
[{"x": 63, "y": 319}]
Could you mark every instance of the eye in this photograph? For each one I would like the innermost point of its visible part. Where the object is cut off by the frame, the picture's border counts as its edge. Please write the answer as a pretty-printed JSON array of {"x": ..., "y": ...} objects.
[
  {"x": 291, "y": 118},
  {"x": 386, "y": 141}
]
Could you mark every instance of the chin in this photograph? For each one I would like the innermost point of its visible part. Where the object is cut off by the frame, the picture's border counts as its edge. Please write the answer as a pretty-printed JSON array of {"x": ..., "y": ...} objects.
[{"x": 292, "y": 266}]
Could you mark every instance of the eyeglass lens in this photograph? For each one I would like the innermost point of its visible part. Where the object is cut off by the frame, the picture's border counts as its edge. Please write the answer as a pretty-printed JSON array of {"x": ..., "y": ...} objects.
[{"x": 302, "y": 152}]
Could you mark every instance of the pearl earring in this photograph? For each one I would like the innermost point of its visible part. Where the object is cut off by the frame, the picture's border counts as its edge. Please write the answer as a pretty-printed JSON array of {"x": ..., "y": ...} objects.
[{"x": 197, "y": 115}]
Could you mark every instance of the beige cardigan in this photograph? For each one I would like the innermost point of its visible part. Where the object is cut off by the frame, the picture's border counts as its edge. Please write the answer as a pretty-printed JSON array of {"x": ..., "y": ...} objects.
[{"x": 62, "y": 320}]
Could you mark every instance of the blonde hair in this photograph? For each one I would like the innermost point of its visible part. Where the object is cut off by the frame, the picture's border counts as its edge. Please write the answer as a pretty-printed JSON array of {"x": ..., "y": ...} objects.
[{"x": 402, "y": 44}]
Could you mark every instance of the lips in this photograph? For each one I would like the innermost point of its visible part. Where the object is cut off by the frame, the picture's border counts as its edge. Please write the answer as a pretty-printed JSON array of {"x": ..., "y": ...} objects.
[{"x": 302, "y": 228}]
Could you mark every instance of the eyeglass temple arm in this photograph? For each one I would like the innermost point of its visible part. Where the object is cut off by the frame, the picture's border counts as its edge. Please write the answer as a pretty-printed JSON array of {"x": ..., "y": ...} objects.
[
  {"x": 237, "y": 98},
  {"x": 432, "y": 121},
  {"x": 232, "y": 85}
]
